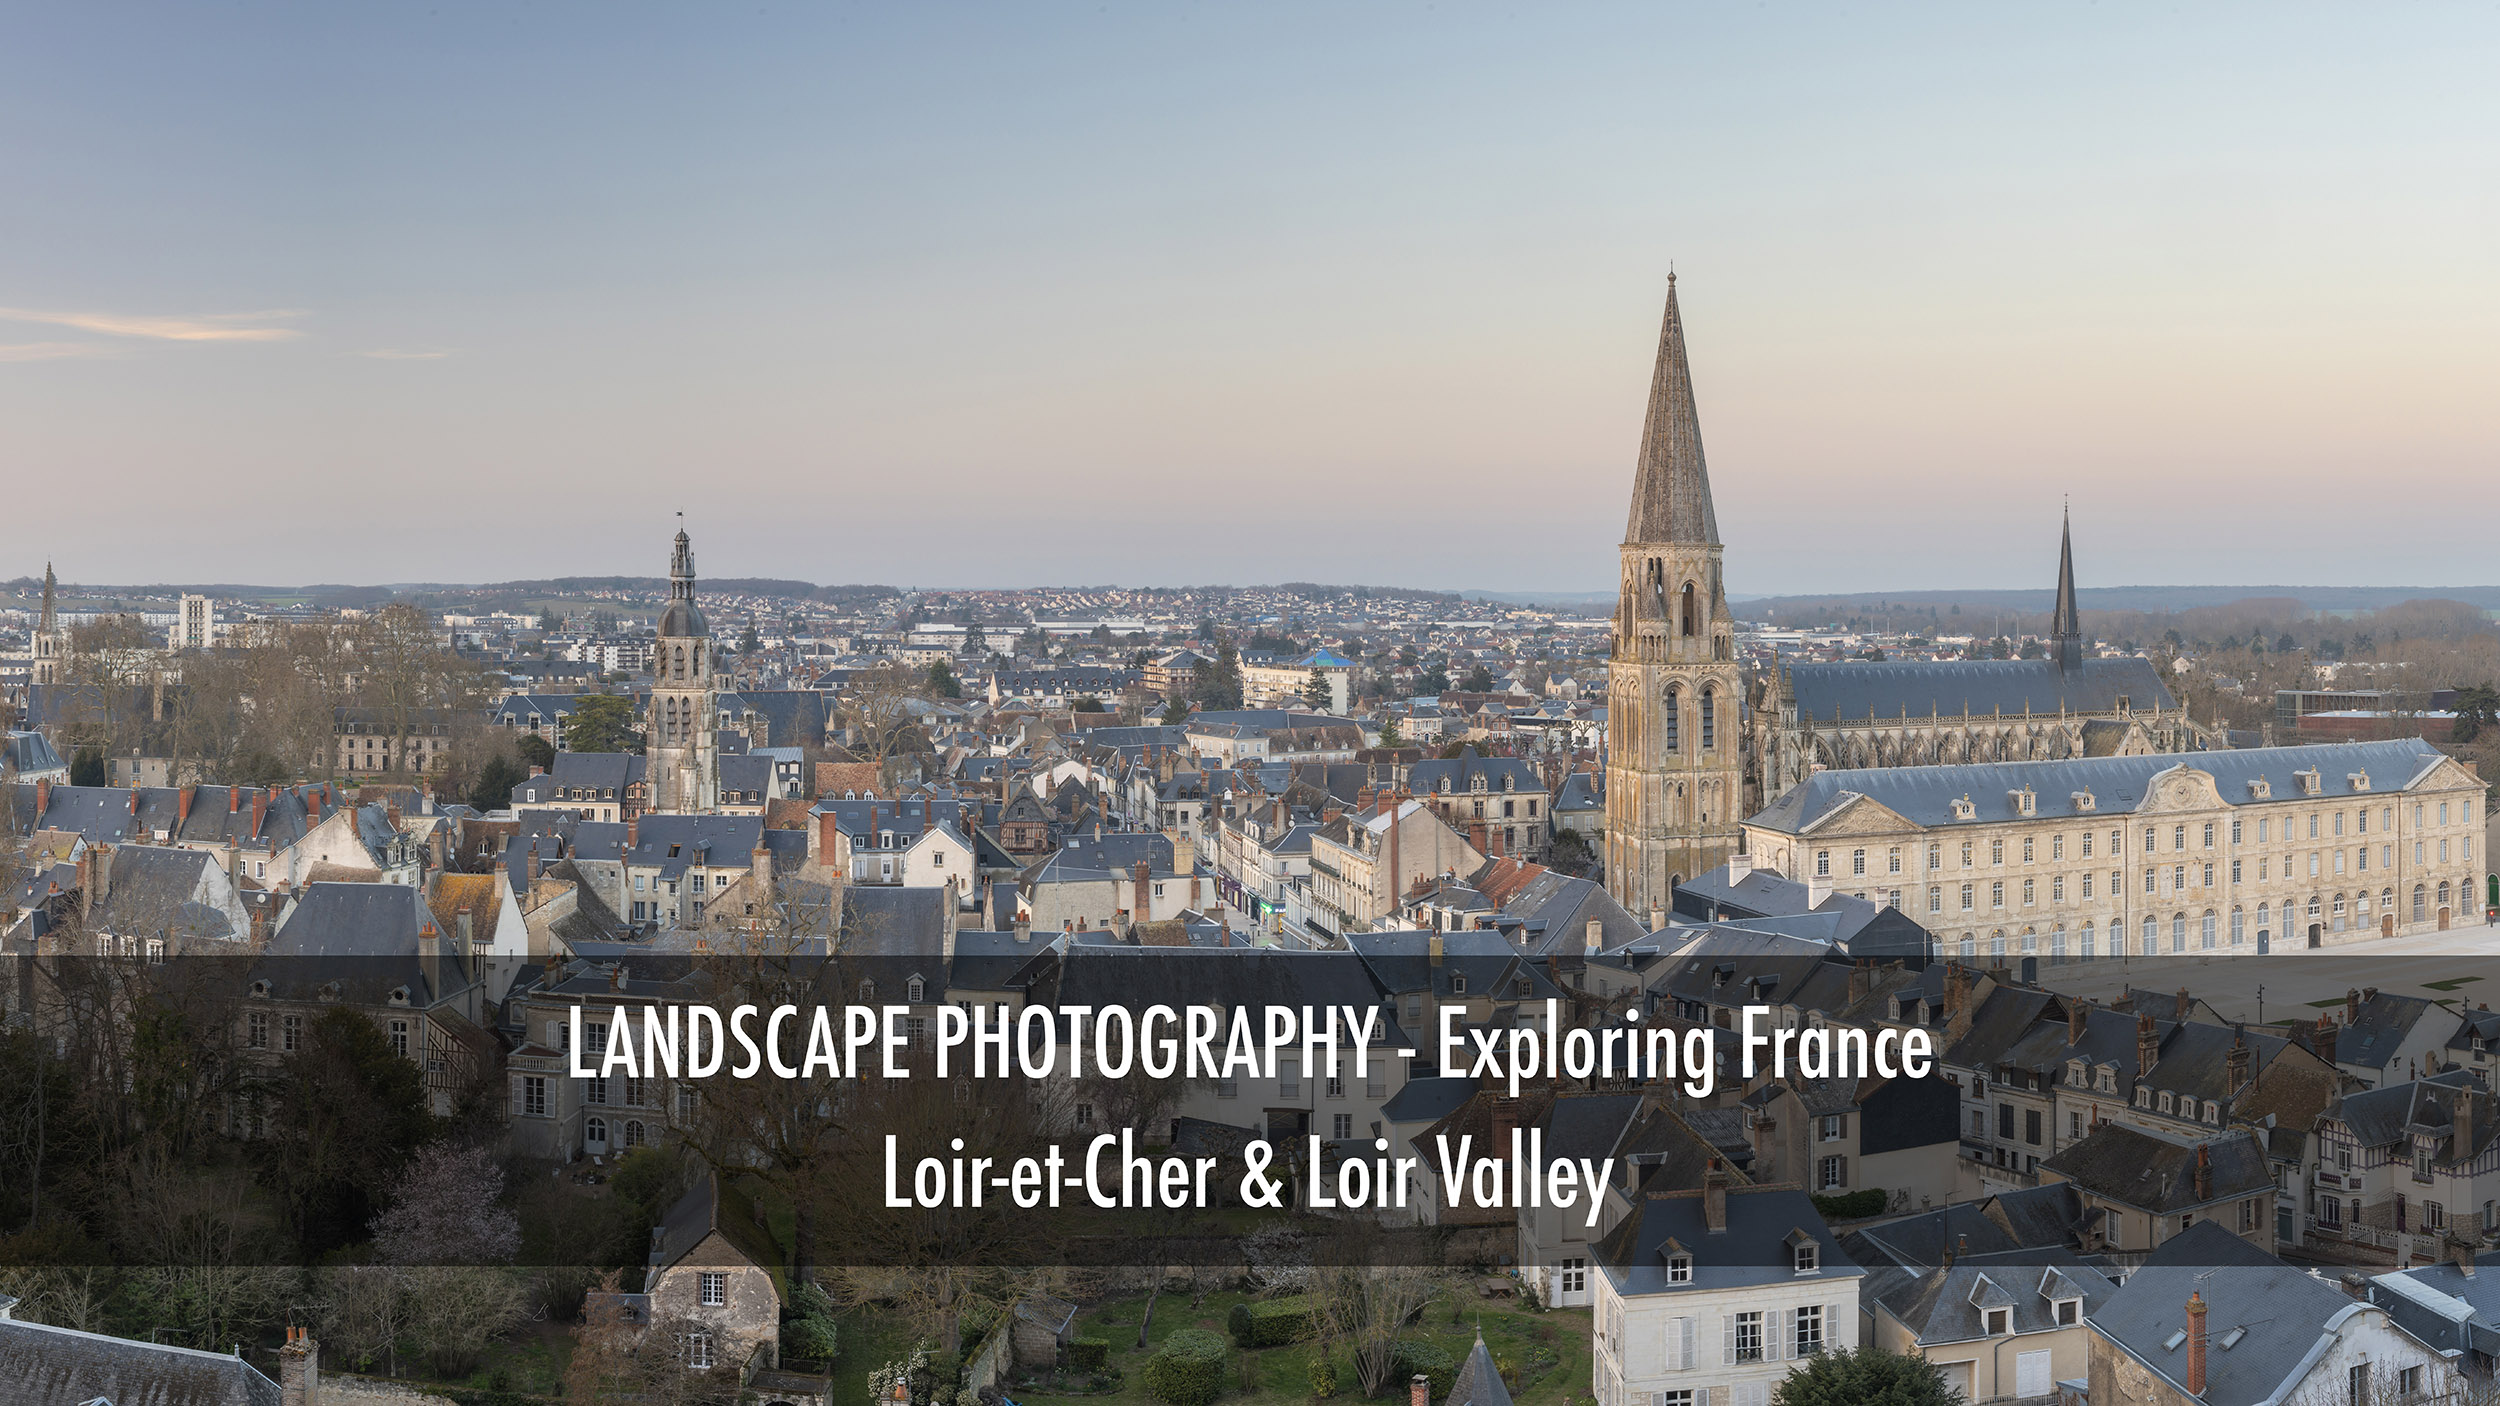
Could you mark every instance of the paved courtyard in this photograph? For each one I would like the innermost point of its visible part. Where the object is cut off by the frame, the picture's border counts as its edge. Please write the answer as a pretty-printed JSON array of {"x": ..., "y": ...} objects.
[{"x": 2460, "y": 966}]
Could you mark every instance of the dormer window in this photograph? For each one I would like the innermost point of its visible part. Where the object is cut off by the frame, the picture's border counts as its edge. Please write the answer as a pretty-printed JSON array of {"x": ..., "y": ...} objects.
[
  {"x": 2026, "y": 801},
  {"x": 2001, "y": 1320},
  {"x": 2084, "y": 800},
  {"x": 2311, "y": 782},
  {"x": 1805, "y": 1256},
  {"x": 2165, "y": 1100},
  {"x": 2359, "y": 780},
  {"x": 1679, "y": 1269},
  {"x": 1963, "y": 809},
  {"x": 2069, "y": 1312},
  {"x": 2260, "y": 789},
  {"x": 2074, "y": 1072},
  {"x": 1458, "y": 984},
  {"x": 913, "y": 990}
]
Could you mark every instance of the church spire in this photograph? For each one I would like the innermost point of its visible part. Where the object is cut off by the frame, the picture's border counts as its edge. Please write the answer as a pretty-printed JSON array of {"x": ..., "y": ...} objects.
[
  {"x": 50, "y": 622},
  {"x": 2066, "y": 624},
  {"x": 1671, "y": 488}
]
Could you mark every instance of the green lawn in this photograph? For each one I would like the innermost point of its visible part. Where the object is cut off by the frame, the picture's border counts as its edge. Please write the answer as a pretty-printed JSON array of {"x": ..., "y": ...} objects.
[{"x": 1515, "y": 1335}]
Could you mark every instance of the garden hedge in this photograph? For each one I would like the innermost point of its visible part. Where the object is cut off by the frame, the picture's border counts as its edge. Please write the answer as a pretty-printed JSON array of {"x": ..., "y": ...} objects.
[
  {"x": 1188, "y": 1370},
  {"x": 1270, "y": 1322},
  {"x": 1410, "y": 1357}
]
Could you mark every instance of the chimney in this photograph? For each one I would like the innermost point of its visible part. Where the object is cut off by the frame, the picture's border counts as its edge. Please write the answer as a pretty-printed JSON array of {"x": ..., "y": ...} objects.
[
  {"x": 1141, "y": 900},
  {"x": 2352, "y": 1006},
  {"x": 43, "y": 799},
  {"x": 1024, "y": 929},
  {"x": 1184, "y": 852},
  {"x": 1419, "y": 1391},
  {"x": 182, "y": 806},
  {"x": 2204, "y": 1173},
  {"x": 2196, "y": 1344},
  {"x": 2324, "y": 1038},
  {"x": 1954, "y": 1251},
  {"x": 234, "y": 862},
  {"x": 1714, "y": 1197},
  {"x": 1433, "y": 948},
  {"x": 1596, "y": 939},
  {"x": 299, "y": 1369},
  {"x": 760, "y": 863},
  {"x": 468, "y": 927},
  {"x": 430, "y": 957},
  {"x": 134, "y": 800},
  {"x": 312, "y": 807},
  {"x": 234, "y": 800},
  {"x": 260, "y": 808},
  {"x": 1860, "y": 973},
  {"x": 1657, "y": 918},
  {"x": 2461, "y": 1126},
  {"x": 1818, "y": 888},
  {"x": 2147, "y": 1045},
  {"x": 2235, "y": 1064},
  {"x": 537, "y": 771},
  {"x": 2078, "y": 1020},
  {"x": 2368, "y": 994},
  {"x": 2461, "y": 1254},
  {"x": 533, "y": 861},
  {"x": 1738, "y": 866}
]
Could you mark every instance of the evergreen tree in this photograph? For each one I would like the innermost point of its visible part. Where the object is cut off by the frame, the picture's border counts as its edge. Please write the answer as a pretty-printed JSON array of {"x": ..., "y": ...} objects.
[
  {"x": 1316, "y": 692},
  {"x": 1868, "y": 1376},
  {"x": 942, "y": 681}
]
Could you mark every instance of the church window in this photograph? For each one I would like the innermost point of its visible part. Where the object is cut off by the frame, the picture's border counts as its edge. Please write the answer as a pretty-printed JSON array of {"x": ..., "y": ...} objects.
[
  {"x": 1709, "y": 719},
  {"x": 2239, "y": 922},
  {"x": 1692, "y": 611},
  {"x": 2178, "y": 932},
  {"x": 2085, "y": 948},
  {"x": 2205, "y": 930},
  {"x": 1673, "y": 720},
  {"x": 2152, "y": 934}
]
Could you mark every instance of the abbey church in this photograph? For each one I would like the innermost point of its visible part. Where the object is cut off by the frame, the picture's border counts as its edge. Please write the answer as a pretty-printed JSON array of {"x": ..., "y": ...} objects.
[{"x": 1693, "y": 746}]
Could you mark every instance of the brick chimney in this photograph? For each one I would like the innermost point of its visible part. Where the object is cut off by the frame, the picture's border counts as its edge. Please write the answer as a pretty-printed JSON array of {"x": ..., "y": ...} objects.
[
  {"x": 2186, "y": 1004},
  {"x": 430, "y": 957},
  {"x": 2147, "y": 1045},
  {"x": 1714, "y": 1197},
  {"x": 1954, "y": 1251},
  {"x": 299, "y": 1369},
  {"x": 182, "y": 806},
  {"x": 760, "y": 864},
  {"x": 2324, "y": 1038},
  {"x": 2078, "y": 1020},
  {"x": 1184, "y": 852},
  {"x": 2352, "y": 1005},
  {"x": 2204, "y": 1172},
  {"x": 43, "y": 799},
  {"x": 2196, "y": 1344},
  {"x": 1860, "y": 973},
  {"x": 134, "y": 800},
  {"x": 2235, "y": 1063},
  {"x": 1141, "y": 901},
  {"x": 1419, "y": 1391},
  {"x": 234, "y": 800}
]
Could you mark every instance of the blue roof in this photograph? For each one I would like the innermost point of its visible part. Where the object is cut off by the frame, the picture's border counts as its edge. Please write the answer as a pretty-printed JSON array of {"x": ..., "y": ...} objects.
[
  {"x": 1926, "y": 795},
  {"x": 1854, "y": 691}
]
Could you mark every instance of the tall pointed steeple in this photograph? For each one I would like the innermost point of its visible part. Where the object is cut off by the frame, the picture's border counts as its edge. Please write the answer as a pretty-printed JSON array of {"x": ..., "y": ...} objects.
[
  {"x": 2066, "y": 624},
  {"x": 1671, "y": 490}
]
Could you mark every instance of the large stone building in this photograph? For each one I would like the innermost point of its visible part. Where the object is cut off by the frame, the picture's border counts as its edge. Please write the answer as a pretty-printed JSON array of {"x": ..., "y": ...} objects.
[
  {"x": 2223, "y": 853},
  {"x": 683, "y": 766},
  {"x": 1812, "y": 717},
  {"x": 1673, "y": 729}
]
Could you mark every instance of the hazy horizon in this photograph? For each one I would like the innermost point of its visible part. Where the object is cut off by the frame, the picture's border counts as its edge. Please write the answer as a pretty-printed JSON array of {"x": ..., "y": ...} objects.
[{"x": 1294, "y": 293}]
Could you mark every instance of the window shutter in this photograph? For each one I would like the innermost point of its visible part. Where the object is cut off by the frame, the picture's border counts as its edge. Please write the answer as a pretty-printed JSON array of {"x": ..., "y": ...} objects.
[
  {"x": 1833, "y": 1339},
  {"x": 1775, "y": 1324},
  {"x": 1727, "y": 1339},
  {"x": 1684, "y": 1360},
  {"x": 1844, "y": 1169}
]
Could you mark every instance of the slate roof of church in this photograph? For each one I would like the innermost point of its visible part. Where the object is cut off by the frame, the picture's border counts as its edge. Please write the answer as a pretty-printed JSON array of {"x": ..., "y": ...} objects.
[
  {"x": 1671, "y": 486},
  {"x": 1855, "y": 690}
]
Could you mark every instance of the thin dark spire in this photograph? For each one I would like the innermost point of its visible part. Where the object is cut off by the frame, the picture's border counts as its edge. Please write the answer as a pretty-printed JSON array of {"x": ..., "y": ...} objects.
[
  {"x": 2066, "y": 623},
  {"x": 1671, "y": 486}
]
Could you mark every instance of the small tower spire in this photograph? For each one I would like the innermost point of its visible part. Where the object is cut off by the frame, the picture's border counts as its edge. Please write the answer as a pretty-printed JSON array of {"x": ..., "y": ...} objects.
[{"x": 2066, "y": 624}]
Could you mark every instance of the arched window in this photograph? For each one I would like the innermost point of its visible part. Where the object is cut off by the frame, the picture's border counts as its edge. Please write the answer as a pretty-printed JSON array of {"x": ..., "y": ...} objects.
[
  {"x": 2387, "y": 901},
  {"x": 1692, "y": 611},
  {"x": 2152, "y": 934},
  {"x": 2238, "y": 926},
  {"x": 1996, "y": 943},
  {"x": 1970, "y": 947},
  {"x": 867, "y": 991},
  {"x": 2421, "y": 902},
  {"x": 1709, "y": 718},
  {"x": 2085, "y": 950},
  {"x": 2205, "y": 931},
  {"x": 2443, "y": 893},
  {"x": 595, "y": 1130},
  {"x": 2178, "y": 932},
  {"x": 633, "y": 1132},
  {"x": 1674, "y": 720}
]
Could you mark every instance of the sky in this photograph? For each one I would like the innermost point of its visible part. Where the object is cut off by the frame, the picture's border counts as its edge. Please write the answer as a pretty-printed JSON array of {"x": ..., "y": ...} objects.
[{"x": 1008, "y": 295}]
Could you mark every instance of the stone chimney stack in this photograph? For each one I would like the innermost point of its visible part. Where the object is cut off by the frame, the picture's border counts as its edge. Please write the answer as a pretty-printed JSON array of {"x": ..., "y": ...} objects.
[
  {"x": 299, "y": 1369},
  {"x": 430, "y": 957},
  {"x": 2324, "y": 1038},
  {"x": 2187, "y": 1004},
  {"x": 1024, "y": 928},
  {"x": 2352, "y": 1005},
  {"x": 2078, "y": 1020},
  {"x": 2204, "y": 1172},
  {"x": 1714, "y": 1197},
  {"x": 2147, "y": 1045},
  {"x": 1595, "y": 942},
  {"x": 1818, "y": 889},
  {"x": 2196, "y": 1344},
  {"x": 2235, "y": 1063},
  {"x": 1738, "y": 867}
]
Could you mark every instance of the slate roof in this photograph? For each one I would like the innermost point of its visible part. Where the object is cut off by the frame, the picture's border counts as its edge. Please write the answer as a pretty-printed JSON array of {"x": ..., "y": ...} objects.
[
  {"x": 2277, "y": 1313},
  {"x": 1428, "y": 1098},
  {"x": 707, "y": 1208},
  {"x": 361, "y": 937},
  {"x": 1925, "y": 795},
  {"x": 150, "y": 894},
  {"x": 1461, "y": 772},
  {"x": 25, "y": 753},
  {"x": 48, "y": 1366},
  {"x": 2386, "y": 1022},
  {"x": 2135, "y": 1168},
  {"x": 1479, "y": 1381},
  {"x": 1752, "y": 1251},
  {"x": 1947, "y": 1305},
  {"x": 1579, "y": 795},
  {"x": 1856, "y": 691}
]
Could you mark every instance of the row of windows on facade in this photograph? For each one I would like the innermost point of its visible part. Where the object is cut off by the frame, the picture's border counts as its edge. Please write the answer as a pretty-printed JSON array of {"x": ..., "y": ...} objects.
[
  {"x": 1671, "y": 718},
  {"x": 637, "y": 1093},
  {"x": 2332, "y": 915},
  {"x": 290, "y": 1033},
  {"x": 2207, "y": 833},
  {"x": 2180, "y": 879}
]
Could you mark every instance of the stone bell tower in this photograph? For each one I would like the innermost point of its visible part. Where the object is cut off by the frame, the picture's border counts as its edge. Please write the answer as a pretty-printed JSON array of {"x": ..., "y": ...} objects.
[{"x": 1673, "y": 695}]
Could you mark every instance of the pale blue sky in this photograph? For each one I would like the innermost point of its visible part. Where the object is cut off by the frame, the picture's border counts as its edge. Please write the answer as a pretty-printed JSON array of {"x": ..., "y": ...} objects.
[{"x": 1166, "y": 294}]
